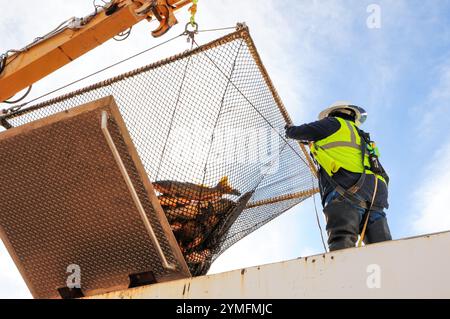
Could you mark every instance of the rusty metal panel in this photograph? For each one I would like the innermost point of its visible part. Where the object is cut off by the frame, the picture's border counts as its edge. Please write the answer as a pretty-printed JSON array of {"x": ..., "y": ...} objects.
[{"x": 65, "y": 202}]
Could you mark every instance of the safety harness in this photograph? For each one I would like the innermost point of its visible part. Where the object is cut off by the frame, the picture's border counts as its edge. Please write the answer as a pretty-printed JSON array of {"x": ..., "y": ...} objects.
[
  {"x": 375, "y": 167},
  {"x": 350, "y": 193}
]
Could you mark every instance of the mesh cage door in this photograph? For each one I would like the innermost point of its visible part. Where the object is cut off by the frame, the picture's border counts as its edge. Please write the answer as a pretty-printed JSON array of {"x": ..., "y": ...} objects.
[
  {"x": 200, "y": 120},
  {"x": 67, "y": 209}
]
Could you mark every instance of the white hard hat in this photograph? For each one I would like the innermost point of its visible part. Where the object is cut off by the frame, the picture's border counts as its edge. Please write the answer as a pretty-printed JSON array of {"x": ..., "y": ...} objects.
[{"x": 346, "y": 108}]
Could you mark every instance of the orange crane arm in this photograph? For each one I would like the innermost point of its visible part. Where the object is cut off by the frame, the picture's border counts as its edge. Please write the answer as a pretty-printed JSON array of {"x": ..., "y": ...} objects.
[{"x": 25, "y": 67}]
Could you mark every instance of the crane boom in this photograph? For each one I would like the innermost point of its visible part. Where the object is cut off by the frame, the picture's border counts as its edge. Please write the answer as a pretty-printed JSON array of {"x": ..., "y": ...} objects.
[{"x": 25, "y": 67}]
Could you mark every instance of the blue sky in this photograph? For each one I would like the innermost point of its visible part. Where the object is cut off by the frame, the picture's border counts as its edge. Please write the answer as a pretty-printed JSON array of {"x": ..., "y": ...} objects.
[
  {"x": 401, "y": 74},
  {"x": 316, "y": 52}
]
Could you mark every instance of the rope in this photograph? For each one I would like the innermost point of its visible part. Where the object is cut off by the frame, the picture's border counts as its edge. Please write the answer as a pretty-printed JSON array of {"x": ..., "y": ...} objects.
[
  {"x": 281, "y": 198},
  {"x": 318, "y": 222},
  {"x": 363, "y": 233}
]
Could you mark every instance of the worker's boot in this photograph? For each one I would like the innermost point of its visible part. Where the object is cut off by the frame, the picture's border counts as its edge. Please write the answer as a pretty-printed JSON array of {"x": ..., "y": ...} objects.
[
  {"x": 342, "y": 224},
  {"x": 377, "y": 231}
]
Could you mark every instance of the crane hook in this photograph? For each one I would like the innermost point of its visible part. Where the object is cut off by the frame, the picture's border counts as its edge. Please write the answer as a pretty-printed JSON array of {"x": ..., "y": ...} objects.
[{"x": 162, "y": 11}]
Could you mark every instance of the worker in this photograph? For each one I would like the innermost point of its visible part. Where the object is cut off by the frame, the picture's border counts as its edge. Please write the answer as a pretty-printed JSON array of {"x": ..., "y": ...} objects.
[{"x": 353, "y": 184}]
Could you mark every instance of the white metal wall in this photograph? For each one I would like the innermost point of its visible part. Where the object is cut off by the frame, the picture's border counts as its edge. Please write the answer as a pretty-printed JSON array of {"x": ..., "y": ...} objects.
[{"x": 409, "y": 268}]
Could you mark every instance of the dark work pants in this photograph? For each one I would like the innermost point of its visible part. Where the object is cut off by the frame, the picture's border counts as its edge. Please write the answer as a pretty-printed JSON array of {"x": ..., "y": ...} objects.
[{"x": 345, "y": 222}]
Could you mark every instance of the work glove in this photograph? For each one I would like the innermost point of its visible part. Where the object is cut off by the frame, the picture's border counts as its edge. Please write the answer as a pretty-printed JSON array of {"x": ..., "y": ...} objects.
[{"x": 286, "y": 129}]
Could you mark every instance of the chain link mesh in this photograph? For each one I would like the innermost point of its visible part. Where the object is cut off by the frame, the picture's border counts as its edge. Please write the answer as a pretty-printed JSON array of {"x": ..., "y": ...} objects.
[
  {"x": 208, "y": 126},
  {"x": 66, "y": 203}
]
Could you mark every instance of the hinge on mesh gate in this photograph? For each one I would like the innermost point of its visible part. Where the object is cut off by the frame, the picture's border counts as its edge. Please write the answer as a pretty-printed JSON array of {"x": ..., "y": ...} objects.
[
  {"x": 70, "y": 293},
  {"x": 4, "y": 122},
  {"x": 133, "y": 193},
  {"x": 142, "y": 279}
]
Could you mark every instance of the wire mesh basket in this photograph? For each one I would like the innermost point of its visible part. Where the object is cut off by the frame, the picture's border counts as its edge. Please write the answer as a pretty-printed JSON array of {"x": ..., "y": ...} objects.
[{"x": 208, "y": 126}]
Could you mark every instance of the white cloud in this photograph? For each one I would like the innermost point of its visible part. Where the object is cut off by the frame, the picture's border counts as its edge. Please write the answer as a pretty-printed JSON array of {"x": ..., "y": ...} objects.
[
  {"x": 433, "y": 213},
  {"x": 437, "y": 105},
  {"x": 279, "y": 240},
  {"x": 266, "y": 245},
  {"x": 11, "y": 283}
]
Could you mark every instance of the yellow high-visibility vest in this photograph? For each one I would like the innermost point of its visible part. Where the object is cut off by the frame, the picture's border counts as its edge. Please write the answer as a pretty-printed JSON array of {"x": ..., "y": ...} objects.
[{"x": 342, "y": 150}]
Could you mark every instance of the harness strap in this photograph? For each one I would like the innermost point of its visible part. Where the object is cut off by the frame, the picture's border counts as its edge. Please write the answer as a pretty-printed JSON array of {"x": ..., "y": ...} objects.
[
  {"x": 350, "y": 196},
  {"x": 350, "y": 193},
  {"x": 355, "y": 188},
  {"x": 362, "y": 178}
]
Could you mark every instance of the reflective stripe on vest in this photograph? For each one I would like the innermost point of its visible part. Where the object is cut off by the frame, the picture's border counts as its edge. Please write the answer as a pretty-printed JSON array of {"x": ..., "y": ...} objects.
[
  {"x": 352, "y": 142},
  {"x": 341, "y": 149}
]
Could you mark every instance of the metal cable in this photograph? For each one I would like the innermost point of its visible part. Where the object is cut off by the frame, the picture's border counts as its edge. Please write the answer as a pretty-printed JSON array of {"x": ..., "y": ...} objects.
[
  {"x": 3, "y": 58},
  {"x": 280, "y": 135},
  {"x": 251, "y": 104},
  {"x": 122, "y": 36},
  {"x": 17, "y": 108},
  {"x": 61, "y": 27},
  {"x": 173, "y": 114},
  {"x": 217, "y": 29},
  {"x": 21, "y": 98},
  {"x": 220, "y": 110}
]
